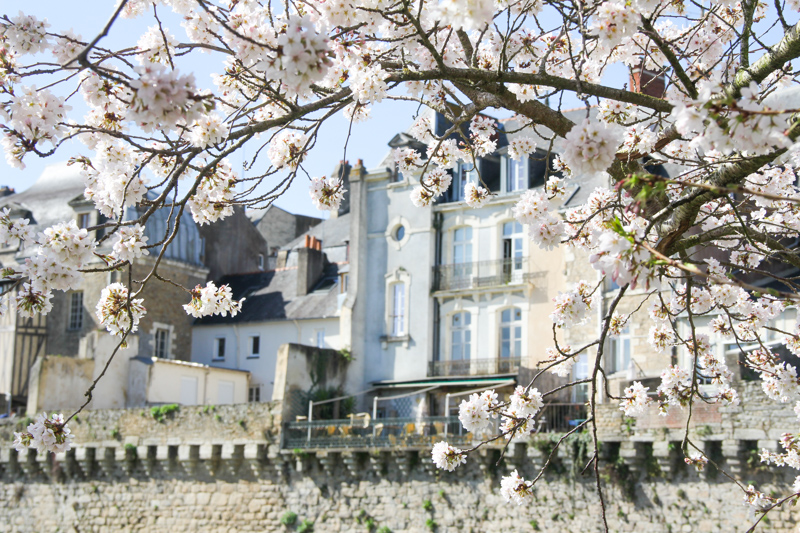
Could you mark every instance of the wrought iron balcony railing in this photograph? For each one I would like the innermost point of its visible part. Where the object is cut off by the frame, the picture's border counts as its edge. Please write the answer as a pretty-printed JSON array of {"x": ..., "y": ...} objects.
[
  {"x": 482, "y": 274},
  {"x": 474, "y": 367},
  {"x": 398, "y": 433},
  {"x": 377, "y": 433}
]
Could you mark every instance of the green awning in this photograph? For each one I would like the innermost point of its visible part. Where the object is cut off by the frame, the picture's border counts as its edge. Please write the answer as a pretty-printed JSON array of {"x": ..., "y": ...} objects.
[{"x": 478, "y": 382}]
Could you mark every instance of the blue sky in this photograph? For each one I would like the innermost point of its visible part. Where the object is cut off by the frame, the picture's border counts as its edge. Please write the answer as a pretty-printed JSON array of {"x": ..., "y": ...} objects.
[{"x": 368, "y": 140}]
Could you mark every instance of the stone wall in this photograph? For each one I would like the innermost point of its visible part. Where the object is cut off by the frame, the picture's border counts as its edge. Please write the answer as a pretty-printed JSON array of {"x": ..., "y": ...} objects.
[{"x": 223, "y": 470}]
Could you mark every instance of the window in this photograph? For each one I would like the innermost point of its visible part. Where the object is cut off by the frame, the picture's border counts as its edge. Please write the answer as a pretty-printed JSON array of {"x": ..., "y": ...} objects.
[
  {"x": 580, "y": 392},
  {"x": 466, "y": 173},
  {"x": 254, "y": 393},
  {"x": 511, "y": 333},
  {"x": 75, "y": 310},
  {"x": 320, "y": 338},
  {"x": 397, "y": 176},
  {"x": 343, "y": 280},
  {"x": 261, "y": 261},
  {"x": 460, "y": 336},
  {"x": 255, "y": 346},
  {"x": 517, "y": 174},
  {"x": 512, "y": 252},
  {"x": 620, "y": 351},
  {"x": 398, "y": 315},
  {"x": 462, "y": 245},
  {"x": 161, "y": 343},
  {"x": 84, "y": 220},
  {"x": 399, "y": 233},
  {"x": 219, "y": 349}
]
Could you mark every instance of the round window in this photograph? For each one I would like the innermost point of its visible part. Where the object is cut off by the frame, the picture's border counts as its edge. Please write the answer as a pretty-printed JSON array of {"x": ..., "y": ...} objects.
[{"x": 399, "y": 233}]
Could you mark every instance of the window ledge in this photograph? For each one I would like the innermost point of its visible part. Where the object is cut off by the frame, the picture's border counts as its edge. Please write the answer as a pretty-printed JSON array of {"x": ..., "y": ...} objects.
[
  {"x": 218, "y": 360},
  {"x": 386, "y": 339}
]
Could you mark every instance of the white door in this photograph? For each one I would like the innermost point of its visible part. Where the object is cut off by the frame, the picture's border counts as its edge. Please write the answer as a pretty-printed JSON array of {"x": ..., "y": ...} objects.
[
  {"x": 188, "y": 391},
  {"x": 225, "y": 396}
]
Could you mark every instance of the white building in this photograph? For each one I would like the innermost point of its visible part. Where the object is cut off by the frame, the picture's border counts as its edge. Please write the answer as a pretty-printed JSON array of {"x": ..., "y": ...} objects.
[{"x": 299, "y": 302}]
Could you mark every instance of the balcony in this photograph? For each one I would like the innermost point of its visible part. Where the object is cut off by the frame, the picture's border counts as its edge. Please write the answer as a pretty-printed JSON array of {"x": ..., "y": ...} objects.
[
  {"x": 474, "y": 367},
  {"x": 424, "y": 432},
  {"x": 481, "y": 274}
]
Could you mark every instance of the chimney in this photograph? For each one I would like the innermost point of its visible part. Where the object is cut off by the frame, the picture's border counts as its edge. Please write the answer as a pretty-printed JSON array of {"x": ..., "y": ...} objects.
[
  {"x": 649, "y": 82},
  {"x": 342, "y": 171},
  {"x": 310, "y": 264}
]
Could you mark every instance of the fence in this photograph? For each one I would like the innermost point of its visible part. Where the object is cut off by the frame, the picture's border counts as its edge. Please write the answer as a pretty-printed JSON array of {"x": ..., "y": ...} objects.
[{"x": 361, "y": 431}]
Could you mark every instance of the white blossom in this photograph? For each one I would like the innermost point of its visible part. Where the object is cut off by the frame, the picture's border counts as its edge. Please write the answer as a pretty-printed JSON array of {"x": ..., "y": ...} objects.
[
  {"x": 447, "y": 457},
  {"x": 213, "y": 300},
  {"x": 116, "y": 313}
]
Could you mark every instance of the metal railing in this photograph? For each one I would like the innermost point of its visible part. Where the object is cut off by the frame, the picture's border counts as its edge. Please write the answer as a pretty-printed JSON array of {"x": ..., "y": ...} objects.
[
  {"x": 560, "y": 417},
  {"x": 481, "y": 274},
  {"x": 378, "y": 433},
  {"x": 475, "y": 367},
  {"x": 414, "y": 432}
]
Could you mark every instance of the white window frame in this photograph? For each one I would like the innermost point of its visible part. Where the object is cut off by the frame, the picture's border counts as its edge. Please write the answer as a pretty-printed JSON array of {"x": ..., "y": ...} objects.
[
  {"x": 161, "y": 343},
  {"x": 252, "y": 391},
  {"x": 170, "y": 339},
  {"x": 465, "y": 331},
  {"x": 515, "y": 182},
  {"x": 224, "y": 342},
  {"x": 515, "y": 330},
  {"x": 398, "y": 278},
  {"x": 617, "y": 347},
  {"x": 75, "y": 314},
  {"x": 254, "y": 339}
]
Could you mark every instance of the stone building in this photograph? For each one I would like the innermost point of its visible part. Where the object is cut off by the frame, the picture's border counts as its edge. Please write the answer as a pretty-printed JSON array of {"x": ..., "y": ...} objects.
[{"x": 71, "y": 328}]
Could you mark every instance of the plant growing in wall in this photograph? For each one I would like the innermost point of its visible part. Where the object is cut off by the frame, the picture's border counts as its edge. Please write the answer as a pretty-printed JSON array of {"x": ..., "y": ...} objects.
[
  {"x": 159, "y": 412},
  {"x": 306, "y": 526},
  {"x": 288, "y": 518}
]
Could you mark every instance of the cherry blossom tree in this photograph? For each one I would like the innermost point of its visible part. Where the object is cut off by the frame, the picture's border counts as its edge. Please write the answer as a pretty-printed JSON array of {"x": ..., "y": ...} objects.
[{"x": 695, "y": 242}]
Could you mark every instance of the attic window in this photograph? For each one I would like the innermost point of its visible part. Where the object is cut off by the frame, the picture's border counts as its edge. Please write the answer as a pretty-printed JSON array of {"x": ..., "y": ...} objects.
[
  {"x": 84, "y": 220},
  {"x": 325, "y": 285}
]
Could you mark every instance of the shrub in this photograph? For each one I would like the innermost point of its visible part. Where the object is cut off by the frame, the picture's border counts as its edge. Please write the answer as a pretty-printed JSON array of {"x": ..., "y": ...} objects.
[
  {"x": 306, "y": 526},
  {"x": 160, "y": 411},
  {"x": 289, "y": 518}
]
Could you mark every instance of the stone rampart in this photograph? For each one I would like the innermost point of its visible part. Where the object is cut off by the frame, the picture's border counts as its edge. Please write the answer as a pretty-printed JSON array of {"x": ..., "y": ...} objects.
[{"x": 222, "y": 469}]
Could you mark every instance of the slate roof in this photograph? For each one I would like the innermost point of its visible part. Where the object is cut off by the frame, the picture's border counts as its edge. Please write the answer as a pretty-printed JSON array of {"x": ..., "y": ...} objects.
[
  {"x": 48, "y": 198},
  {"x": 59, "y": 189},
  {"x": 272, "y": 295},
  {"x": 332, "y": 232}
]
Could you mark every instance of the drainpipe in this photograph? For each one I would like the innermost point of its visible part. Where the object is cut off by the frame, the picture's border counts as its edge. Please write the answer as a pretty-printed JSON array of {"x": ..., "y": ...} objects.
[
  {"x": 297, "y": 326},
  {"x": 205, "y": 386},
  {"x": 236, "y": 345},
  {"x": 437, "y": 260}
]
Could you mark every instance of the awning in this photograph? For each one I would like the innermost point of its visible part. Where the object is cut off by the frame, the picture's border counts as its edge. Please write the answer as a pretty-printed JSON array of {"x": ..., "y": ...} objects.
[{"x": 438, "y": 383}]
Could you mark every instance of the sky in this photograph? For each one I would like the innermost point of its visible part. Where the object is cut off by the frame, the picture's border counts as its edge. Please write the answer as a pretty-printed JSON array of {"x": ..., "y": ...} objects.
[{"x": 368, "y": 141}]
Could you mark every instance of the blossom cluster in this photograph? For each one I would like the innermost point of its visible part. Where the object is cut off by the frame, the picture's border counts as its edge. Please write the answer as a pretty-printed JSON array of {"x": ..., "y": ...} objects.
[
  {"x": 447, "y": 457},
  {"x": 545, "y": 227},
  {"x": 117, "y": 311},
  {"x": 476, "y": 413},
  {"x": 326, "y": 193},
  {"x": 213, "y": 300},
  {"x": 46, "y": 434}
]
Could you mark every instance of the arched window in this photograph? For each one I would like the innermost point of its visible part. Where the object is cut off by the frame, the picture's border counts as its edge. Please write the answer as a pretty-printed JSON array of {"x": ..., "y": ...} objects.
[
  {"x": 460, "y": 336},
  {"x": 511, "y": 333}
]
